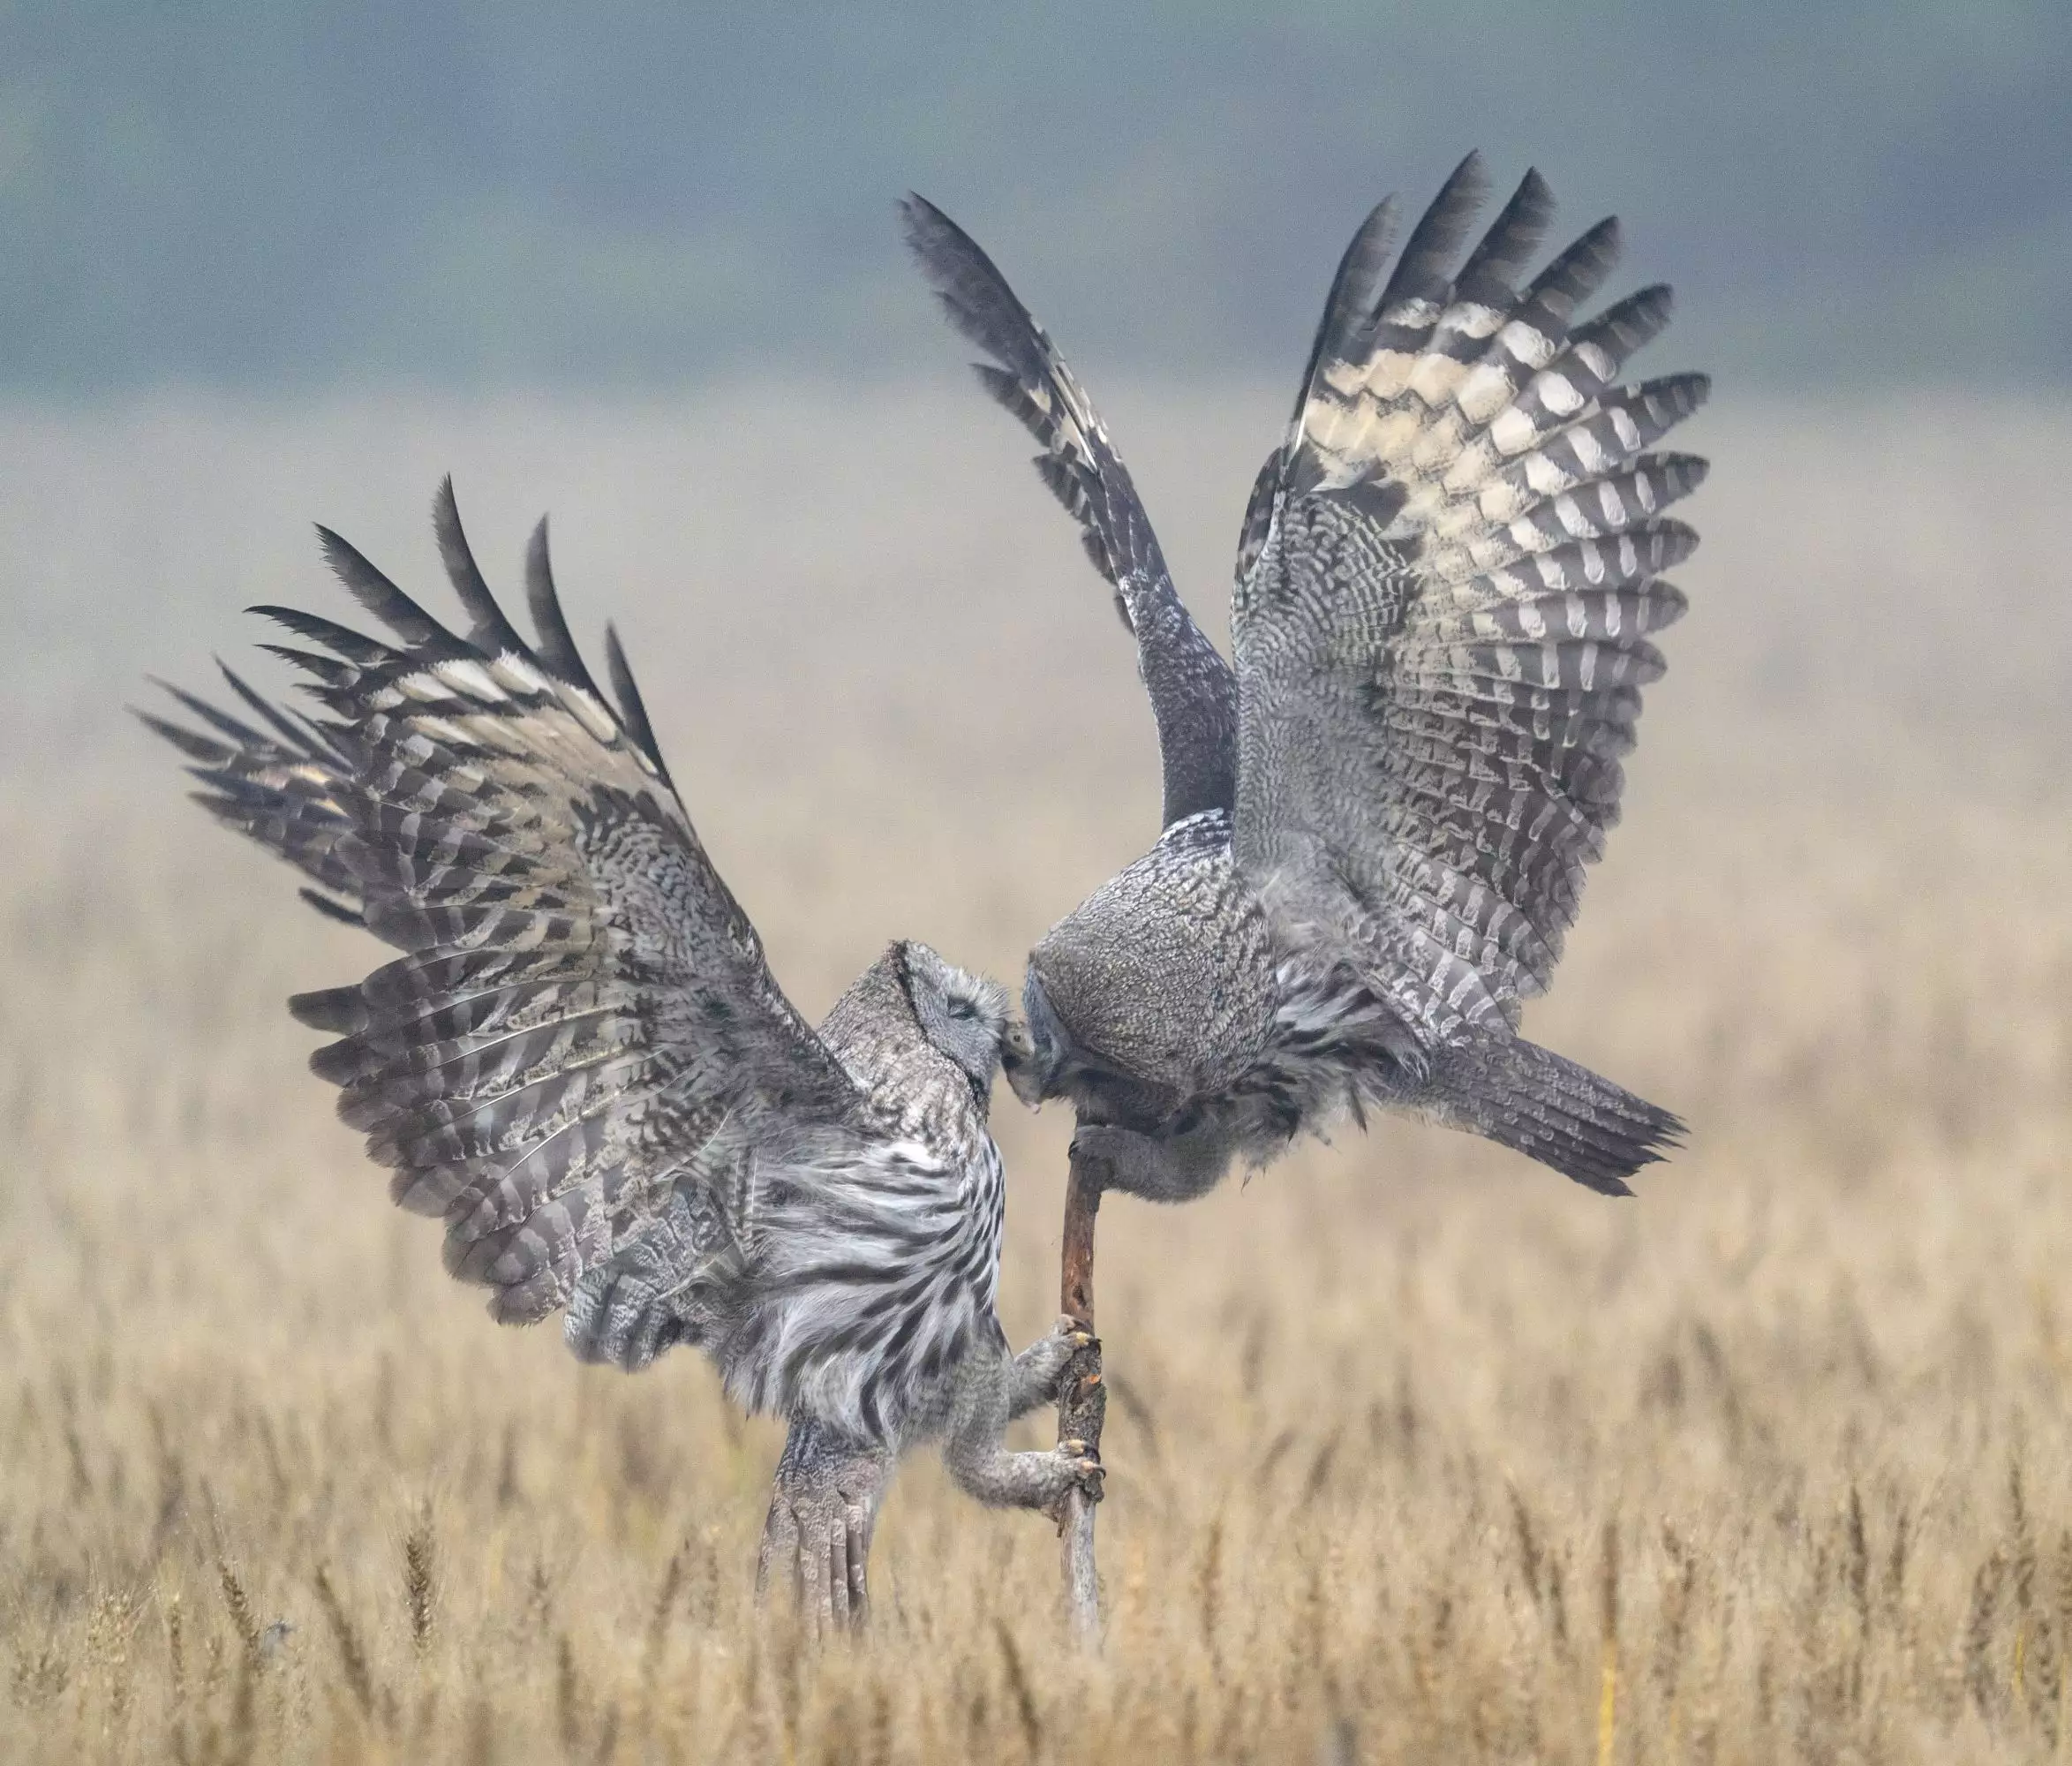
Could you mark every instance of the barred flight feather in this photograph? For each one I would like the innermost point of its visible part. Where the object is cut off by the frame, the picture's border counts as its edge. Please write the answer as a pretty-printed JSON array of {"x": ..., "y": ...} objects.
[
  {"x": 1464, "y": 516},
  {"x": 1192, "y": 689}
]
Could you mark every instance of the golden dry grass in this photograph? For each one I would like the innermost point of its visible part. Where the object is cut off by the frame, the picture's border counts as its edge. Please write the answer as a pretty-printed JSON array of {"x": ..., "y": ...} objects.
[{"x": 1418, "y": 1452}]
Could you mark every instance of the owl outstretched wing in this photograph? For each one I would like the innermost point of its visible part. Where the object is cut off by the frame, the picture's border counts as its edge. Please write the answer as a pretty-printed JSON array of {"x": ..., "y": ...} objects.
[
  {"x": 1447, "y": 587},
  {"x": 1193, "y": 694},
  {"x": 280, "y": 786},
  {"x": 580, "y": 1060}
]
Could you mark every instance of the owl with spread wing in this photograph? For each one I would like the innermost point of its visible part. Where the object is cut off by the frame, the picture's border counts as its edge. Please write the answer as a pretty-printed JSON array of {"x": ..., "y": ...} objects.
[
  {"x": 581, "y": 1062},
  {"x": 1377, "y": 817}
]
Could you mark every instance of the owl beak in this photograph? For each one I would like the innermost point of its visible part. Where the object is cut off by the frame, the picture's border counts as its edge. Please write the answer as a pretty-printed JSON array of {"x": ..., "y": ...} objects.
[{"x": 1025, "y": 1073}]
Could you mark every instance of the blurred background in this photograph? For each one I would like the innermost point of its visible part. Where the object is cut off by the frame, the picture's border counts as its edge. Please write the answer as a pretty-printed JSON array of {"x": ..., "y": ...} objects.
[
  {"x": 653, "y": 197},
  {"x": 270, "y": 265},
  {"x": 638, "y": 264}
]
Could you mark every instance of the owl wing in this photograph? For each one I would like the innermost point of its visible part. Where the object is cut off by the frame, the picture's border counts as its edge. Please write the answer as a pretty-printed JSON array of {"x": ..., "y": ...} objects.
[
  {"x": 281, "y": 786},
  {"x": 1193, "y": 694},
  {"x": 581, "y": 1060},
  {"x": 1448, "y": 584}
]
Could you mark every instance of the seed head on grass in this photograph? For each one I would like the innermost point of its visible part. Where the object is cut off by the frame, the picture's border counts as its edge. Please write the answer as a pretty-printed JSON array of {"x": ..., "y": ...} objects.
[
  {"x": 352, "y": 1656},
  {"x": 417, "y": 1586},
  {"x": 109, "y": 1628},
  {"x": 2022, "y": 1569},
  {"x": 1318, "y": 1478},
  {"x": 2065, "y": 1644},
  {"x": 1895, "y": 1559},
  {"x": 1678, "y": 1588},
  {"x": 1019, "y": 1691},
  {"x": 176, "y": 1647},
  {"x": 567, "y": 1694},
  {"x": 239, "y": 1607},
  {"x": 1979, "y": 1678},
  {"x": 1528, "y": 1544},
  {"x": 658, "y": 1615},
  {"x": 507, "y": 1467},
  {"x": 1858, "y": 1561},
  {"x": 1270, "y": 1461}
]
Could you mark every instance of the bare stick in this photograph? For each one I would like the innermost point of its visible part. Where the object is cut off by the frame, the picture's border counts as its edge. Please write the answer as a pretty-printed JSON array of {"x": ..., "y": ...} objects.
[{"x": 1084, "y": 1406}]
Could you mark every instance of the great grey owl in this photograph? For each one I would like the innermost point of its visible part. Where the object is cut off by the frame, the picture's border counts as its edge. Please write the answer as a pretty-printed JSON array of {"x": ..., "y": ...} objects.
[
  {"x": 583, "y": 1065},
  {"x": 1377, "y": 824}
]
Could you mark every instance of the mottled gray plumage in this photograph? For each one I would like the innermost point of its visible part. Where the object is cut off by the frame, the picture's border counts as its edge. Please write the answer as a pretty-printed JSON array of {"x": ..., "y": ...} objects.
[
  {"x": 582, "y": 1064},
  {"x": 1447, "y": 579}
]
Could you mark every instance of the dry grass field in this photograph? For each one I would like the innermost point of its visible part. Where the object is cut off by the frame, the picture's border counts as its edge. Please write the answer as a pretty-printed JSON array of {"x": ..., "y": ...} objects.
[{"x": 1418, "y": 1452}]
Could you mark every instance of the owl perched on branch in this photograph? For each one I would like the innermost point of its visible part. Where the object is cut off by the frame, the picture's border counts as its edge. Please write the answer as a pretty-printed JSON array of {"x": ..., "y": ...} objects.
[
  {"x": 580, "y": 1063},
  {"x": 1376, "y": 822}
]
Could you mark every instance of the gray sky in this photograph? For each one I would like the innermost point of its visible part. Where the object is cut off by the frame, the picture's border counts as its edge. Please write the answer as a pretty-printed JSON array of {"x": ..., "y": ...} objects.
[{"x": 644, "y": 195}]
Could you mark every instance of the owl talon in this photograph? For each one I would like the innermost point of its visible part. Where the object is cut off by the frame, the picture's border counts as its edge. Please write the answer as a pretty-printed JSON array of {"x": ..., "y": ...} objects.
[{"x": 816, "y": 1538}]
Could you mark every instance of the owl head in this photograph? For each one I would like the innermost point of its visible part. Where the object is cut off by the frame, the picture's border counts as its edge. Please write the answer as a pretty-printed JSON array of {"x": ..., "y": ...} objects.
[{"x": 962, "y": 1015}]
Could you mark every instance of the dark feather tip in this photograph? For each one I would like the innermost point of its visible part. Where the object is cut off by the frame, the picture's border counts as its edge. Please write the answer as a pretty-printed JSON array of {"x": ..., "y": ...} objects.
[
  {"x": 340, "y": 1010},
  {"x": 332, "y": 909}
]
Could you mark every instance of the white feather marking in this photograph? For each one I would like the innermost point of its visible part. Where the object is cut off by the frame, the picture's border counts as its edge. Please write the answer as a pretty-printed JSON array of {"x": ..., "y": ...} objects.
[
  {"x": 1592, "y": 357},
  {"x": 1590, "y": 453},
  {"x": 1388, "y": 372},
  {"x": 1483, "y": 391},
  {"x": 1477, "y": 458},
  {"x": 444, "y": 729},
  {"x": 1435, "y": 376},
  {"x": 1393, "y": 436},
  {"x": 1526, "y": 343},
  {"x": 1344, "y": 378},
  {"x": 424, "y": 686},
  {"x": 1472, "y": 318},
  {"x": 587, "y": 711},
  {"x": 472, "y": 679},
  {"x": 519, "y": 673},
  {"x": 1513, "y": 431},
  {"x": 1558, "y": 394}
]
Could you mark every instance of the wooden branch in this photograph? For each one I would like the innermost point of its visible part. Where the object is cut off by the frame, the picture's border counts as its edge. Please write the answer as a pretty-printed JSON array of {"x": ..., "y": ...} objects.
[{"x": 1084, "y": 1406}]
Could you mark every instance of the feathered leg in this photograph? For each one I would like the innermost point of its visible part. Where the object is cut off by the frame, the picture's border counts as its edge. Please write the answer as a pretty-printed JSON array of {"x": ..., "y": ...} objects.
[
  {"x": 988, "y": 1388},
  {"x": 1170, "y": 1167},
  {"x": 823, "y": 1510},
  {"x": 823, "y": 1501}
]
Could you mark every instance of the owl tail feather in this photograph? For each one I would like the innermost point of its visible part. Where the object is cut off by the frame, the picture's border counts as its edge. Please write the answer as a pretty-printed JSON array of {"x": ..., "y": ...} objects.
[{"x": 1533, "y": 1100}]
